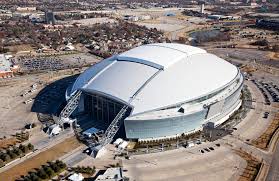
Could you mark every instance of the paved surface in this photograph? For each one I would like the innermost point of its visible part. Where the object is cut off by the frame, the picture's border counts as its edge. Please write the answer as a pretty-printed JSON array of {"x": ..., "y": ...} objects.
[
  {"x": 220, "y": 164},
  {"x": 273, "y": 174},
  {"x": 74, "y": 157},
  {"x": 186, "y": 164},
  {"x": 254, "y": 124},
  {"x": 11, "y": 102},
  {"x": 41, "y": 144}
]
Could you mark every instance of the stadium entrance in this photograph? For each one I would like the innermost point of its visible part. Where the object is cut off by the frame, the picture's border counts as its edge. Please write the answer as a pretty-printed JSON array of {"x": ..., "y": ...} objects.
[{"x": 101, "y": 109}]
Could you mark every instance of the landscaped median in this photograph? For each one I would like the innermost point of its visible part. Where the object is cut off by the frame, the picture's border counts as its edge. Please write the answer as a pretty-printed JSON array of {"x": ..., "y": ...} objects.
[
  {"x": 263, "y": 141},
  {"x": 52, "y": 153},
  {"x": 56, "y": 170},
  {"x": 10, "y": 154},
  {"x": 15, "y": 139},
  {"x": 45, "y": 172},
  {"x": 253, "y": 166}
]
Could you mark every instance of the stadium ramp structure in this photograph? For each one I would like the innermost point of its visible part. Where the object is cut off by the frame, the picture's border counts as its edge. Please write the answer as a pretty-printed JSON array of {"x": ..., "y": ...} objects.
[
  {"x": 97, "y": 149},
  {"x": 69, "y": 108}
]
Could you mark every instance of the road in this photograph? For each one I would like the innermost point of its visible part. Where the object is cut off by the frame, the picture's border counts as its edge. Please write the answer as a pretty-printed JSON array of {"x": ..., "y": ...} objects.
[
  {"x": 273, "y": 174},
  {"x": 220, "y": 164},
  {"x": 253, "y": 124},
  {"x": 75, "y": 156},
  {"x": 41, "y": 144}
]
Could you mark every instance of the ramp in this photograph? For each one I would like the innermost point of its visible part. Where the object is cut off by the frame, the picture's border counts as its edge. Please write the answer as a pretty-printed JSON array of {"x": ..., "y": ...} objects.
[
  {"x": 113, "y": 128},
  {"x": 69, "y": 108}
]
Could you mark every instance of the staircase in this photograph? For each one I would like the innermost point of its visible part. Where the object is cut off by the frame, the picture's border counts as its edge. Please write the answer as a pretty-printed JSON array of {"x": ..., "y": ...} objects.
[{"x": 110, "y": 132}]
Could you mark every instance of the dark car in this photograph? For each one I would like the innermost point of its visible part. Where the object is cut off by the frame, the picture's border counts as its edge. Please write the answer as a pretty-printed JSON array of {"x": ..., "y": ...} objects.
[{"x": 211, "y": 148}]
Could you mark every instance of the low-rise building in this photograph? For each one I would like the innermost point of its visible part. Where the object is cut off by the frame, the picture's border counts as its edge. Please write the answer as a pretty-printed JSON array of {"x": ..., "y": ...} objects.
[
  {"x": 5, "y": 67},
  {"x": 111, "y": 174}
]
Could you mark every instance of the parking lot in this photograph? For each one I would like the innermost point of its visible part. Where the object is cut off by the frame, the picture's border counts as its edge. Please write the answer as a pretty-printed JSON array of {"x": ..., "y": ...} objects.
[
  {"x": 215, "y": 163},
  {"x": 269, "y": 90},
  {"x": 55, "y": 62}
]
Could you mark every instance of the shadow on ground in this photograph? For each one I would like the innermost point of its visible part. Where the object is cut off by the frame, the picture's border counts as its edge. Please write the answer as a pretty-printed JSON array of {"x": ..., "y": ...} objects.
[{"x": 51, "y": 99}]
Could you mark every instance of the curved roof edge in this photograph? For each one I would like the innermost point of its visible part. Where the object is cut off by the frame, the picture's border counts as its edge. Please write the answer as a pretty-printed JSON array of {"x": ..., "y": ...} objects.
[
  {"x": 160, "y": 55},
  {"x": 189, "y": 50}
]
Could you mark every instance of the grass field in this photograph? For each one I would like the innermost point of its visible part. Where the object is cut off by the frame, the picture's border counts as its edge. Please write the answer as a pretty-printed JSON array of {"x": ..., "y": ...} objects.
[{"x": 51, "y": 154}]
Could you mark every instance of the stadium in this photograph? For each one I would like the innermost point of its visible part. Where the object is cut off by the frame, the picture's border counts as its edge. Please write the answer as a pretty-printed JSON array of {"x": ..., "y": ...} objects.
[{"x": 167, "y": 90}]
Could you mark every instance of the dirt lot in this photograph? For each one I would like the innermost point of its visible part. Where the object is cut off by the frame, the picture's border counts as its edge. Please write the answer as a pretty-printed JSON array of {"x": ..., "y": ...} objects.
[
  {"x": 11, "y": 101},
  {"x": 252, "y": 168},
  {"x": 51, "y": 154},
  {"x": 5, "y": 143},
  {"x": 263, "y": 141}
]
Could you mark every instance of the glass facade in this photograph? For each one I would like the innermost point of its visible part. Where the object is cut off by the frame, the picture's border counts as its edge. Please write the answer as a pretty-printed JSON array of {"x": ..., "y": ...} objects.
[
  {"x": 103, "y": 110},
  {"x": 100, "y": 108},
  {"x": 164, "y": 127},
  {"x": 155, "y": 128}
]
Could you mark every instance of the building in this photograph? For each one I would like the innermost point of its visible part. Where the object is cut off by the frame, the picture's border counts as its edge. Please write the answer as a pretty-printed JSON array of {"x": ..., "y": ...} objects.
[
  {"x": 130, "y": 18},
  {"x": 202, "y": 7},
  {"x": 49, "y": 18},
  {"x": 53, "y": 130},
  {"x": 6, "y": 67},
  {"x": 170, "y": 89},
  {"x": 76, "y": 177},
  {"x": 111, "y": 174},
  {"x": 26, "y": 9},
  {"x": 272, "y": 24}
]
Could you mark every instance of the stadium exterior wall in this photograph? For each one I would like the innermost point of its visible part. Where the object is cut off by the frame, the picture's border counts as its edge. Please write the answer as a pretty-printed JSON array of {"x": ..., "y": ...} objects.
[{"x": 175, "y": 126}]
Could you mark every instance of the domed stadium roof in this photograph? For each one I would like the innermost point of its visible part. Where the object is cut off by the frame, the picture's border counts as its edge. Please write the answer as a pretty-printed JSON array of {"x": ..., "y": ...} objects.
[{"x": 156, "y": 76}]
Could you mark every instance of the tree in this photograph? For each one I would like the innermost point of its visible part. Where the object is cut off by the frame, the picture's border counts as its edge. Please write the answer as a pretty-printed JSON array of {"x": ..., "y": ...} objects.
[
  {"x": 30, "y": 146},
  {"x": 11, "y": 154},
  {"x": 1, "y": 163},
  {"x": 6, "y": 157},
  {"x": 34, "y": 177},
  {"x": 21, "y": 146},
  {"x": 17, "y": 151},
  {"x": 27, "y": 179},
  {"x": 24, "y": 149},
  {"x": 60, "y": 164},
  {"x": 1, "y": 155},
  {"x": 42, "y": 174},
  {"x": 55, "y": 167},
  {"x": 49, "y": 171}
]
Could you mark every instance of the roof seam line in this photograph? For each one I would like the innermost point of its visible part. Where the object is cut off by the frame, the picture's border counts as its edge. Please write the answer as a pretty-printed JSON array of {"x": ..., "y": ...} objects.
[
  {"x": 143, "y": 85},
  {"x": 99, "y": 73},
  {"x": 169, "y": 48}
]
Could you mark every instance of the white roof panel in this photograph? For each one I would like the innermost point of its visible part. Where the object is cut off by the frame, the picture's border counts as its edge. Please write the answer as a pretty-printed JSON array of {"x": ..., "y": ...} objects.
[
  {"x": 189, "y": 50},
  {"x": 187, "y": 73},
  {"x": 88, "y": 74},
  {"x": 185, "y": 81},
  {"x": 121, "y": 80},
  {"x": 160, "y": 56}
]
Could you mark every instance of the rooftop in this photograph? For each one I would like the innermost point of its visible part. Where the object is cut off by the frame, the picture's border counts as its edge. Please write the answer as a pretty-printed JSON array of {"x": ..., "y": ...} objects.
[
  {"x": 160, "y": 55},
  {"x": 5, "y": 64},
  {"x": 155, "y": 76}
]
